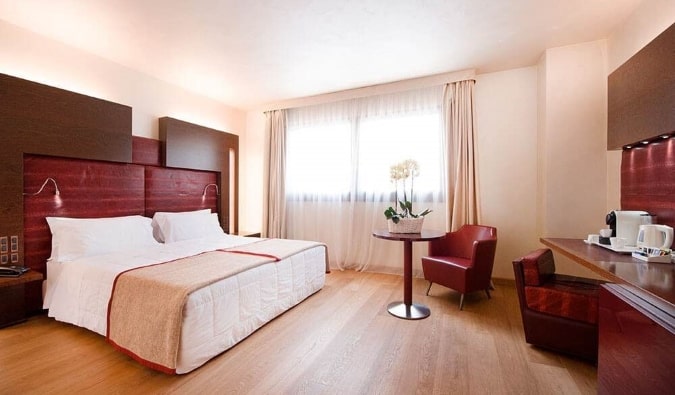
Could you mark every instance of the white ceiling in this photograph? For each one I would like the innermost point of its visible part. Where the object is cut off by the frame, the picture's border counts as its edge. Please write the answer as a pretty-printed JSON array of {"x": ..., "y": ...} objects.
[{"x": 249, "y": 52}]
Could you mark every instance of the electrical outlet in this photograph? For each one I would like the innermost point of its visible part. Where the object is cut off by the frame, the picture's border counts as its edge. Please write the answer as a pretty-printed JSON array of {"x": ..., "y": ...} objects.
[
  {"x": 14, "y": 243},
  {"x": 15, "y": 258}
]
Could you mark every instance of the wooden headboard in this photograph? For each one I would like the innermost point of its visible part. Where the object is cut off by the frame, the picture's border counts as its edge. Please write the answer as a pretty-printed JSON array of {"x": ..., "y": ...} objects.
[
  {"x": 108, "y": 167},
  {"x": 97, "y": 189},
  {"x": 88, "y": 189}
]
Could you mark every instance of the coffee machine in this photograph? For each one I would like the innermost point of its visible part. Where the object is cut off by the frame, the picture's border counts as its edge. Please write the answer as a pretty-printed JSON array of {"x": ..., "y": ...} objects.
[{"x": 625, "y": 224}]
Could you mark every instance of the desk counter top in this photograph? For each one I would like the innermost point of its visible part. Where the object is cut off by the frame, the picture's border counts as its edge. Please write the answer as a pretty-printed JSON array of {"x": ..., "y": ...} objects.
[{"x": 657, "y": 279}]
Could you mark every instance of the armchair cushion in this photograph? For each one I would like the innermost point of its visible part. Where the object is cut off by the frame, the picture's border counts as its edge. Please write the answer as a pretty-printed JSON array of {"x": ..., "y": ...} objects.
[
  {"x": 561, "y": 313},
  {"x": 566, "y": 296}
]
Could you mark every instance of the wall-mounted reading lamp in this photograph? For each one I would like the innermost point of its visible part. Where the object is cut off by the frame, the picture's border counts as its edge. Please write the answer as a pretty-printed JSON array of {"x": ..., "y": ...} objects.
[
  {"x": 56, "y": 187},
  {"x": 207, "y": 187},
  {"x": 57, "y": 193}
]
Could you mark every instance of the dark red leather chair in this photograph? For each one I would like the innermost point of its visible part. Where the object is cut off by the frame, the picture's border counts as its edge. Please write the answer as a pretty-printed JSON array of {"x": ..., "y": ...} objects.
[
  {"x": 559, "y": 312},
  {"x": 462, "y": 260}
]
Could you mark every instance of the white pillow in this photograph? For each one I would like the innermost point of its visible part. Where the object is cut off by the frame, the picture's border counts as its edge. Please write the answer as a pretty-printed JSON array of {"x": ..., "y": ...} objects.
[
  {"x": 162, "y": 217},
  {"x": 74, "y": 238},
  {"x": 188, "y": 225}
]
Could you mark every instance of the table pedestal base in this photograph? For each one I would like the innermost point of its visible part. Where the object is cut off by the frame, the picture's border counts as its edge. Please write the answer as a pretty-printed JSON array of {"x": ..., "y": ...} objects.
[{"x": 413, "y": 311}]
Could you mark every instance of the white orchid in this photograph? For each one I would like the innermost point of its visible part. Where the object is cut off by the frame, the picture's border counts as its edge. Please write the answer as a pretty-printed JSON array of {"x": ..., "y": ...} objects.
[{"x": 409, "y": 168}]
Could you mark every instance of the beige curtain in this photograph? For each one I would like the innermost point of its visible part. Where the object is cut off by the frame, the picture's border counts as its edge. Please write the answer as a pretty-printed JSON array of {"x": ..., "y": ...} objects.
[
  {"x": 463, "y": 193},
  {"x": 274, "y": 207}
]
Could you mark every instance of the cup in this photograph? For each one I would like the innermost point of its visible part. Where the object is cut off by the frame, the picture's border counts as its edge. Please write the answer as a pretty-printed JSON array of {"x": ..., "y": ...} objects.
[
  {"x": 593, "y": 239},
  {"x": 617, "y": 242},
  {"x": 605, "y": 232}
]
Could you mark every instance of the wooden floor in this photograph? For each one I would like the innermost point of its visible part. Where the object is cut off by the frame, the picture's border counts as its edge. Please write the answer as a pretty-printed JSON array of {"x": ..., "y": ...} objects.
[{"x": 339, "y": 341}]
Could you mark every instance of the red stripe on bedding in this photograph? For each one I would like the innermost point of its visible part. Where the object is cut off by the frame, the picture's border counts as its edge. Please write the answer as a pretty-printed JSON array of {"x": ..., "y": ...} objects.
[
  {"x": 141, "y": 360},
  {"x": 276, "y": 258}
]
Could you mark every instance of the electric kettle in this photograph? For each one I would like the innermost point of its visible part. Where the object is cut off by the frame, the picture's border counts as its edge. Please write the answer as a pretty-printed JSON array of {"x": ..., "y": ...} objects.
[{"x": 655, "y": 236}]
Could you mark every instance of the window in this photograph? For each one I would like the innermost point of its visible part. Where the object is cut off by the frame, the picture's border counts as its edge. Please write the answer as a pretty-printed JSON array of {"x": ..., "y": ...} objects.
[
  {"x": 347, "y": 154},
  {"x": 318, "y": 160},
  {"x": 384, "y": 142}
]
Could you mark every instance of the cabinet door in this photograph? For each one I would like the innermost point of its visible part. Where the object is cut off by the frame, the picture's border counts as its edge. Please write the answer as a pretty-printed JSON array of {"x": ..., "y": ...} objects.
[
  {"x": 12, "y": 305},
  {"x": 636, "y": 343}
]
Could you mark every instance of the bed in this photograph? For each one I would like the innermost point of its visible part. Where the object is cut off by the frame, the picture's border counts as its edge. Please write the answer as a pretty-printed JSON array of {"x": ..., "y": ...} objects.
[
  {"x": 82, "y": 276},
  {"x": 103, "y": 225}
]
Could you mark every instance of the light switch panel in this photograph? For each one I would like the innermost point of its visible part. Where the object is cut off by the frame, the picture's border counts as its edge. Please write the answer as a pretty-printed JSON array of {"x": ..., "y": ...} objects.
[{"x": 14, "y": 243}]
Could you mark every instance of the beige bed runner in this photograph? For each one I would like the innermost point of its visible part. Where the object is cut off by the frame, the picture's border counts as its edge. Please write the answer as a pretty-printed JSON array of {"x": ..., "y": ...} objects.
[{"x": 146, "y": 306}]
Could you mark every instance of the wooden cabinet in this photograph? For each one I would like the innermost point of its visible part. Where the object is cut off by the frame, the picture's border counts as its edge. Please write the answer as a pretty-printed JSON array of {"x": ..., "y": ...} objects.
[
  {"x": 636, "y": 342},
  {"x": 14, "y": 306},
  {"x": 641, "y": 94}
]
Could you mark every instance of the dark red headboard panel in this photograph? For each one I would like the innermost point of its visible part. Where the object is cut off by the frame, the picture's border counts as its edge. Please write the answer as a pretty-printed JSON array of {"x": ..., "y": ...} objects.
[
  {"x": 89, "y": 189},
  {"x": 146, "y": 151},
  {"x": 179, "y": 190},
  {"x": 648, "y": 180},
  {"x": 95, "y": 189}
]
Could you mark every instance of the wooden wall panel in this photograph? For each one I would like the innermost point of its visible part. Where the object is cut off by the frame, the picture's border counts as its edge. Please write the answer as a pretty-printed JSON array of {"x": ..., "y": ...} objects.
[
  {"x": 641, "y": 94},
  {"x": 648, "y": 180},
  {"x": 40, "y": 119},
  {"x": 146, "y": 151},
  {"x": 191, "y": 146},
  {"x": 178, "y": 190},
  {"x": 88, "y": 189}
]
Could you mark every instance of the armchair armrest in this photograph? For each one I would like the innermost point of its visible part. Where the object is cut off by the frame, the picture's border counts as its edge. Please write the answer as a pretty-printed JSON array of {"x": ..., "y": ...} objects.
[{"x": 484, "y": 257}]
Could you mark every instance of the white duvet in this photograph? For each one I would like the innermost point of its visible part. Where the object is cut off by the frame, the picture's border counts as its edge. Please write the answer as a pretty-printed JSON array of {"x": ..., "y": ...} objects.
[{"x": 215, "y": 317}]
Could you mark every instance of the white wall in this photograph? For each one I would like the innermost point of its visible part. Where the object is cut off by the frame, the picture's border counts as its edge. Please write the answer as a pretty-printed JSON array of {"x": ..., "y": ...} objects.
[
  {"x": 649, "y": 20},
  {"x": 575, "y": 139},
  {"x": 572, "y": 144},
  {"x": 251, "y": 180},
  {"x": 506, "y": 125}
]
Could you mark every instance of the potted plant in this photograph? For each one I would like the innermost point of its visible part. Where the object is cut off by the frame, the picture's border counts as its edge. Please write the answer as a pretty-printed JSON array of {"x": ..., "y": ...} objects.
[{"x": 405, "y": 221}]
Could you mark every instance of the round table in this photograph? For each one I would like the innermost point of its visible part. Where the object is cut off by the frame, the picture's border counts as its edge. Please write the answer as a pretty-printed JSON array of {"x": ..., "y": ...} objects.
[{"x": 407, "y": 309}]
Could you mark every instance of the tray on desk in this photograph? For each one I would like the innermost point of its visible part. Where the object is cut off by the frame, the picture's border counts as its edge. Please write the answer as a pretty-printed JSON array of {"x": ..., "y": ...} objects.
[{"x": 622, "y": 250}]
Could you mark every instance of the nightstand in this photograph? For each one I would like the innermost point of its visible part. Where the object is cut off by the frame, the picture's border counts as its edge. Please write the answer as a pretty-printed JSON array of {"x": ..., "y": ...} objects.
[{"x": 13, "y": 297}]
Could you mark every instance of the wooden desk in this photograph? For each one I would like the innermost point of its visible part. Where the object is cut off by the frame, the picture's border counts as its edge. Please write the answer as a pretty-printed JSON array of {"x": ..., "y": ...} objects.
[
  {"x": 657, "y": 279},
  {"x": 636, "y": 323},
  {"x": 407, "y": 309}
]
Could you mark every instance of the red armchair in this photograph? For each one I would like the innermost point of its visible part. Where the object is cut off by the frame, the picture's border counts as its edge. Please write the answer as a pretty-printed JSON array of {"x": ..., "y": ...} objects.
[
  {"x": 462, "y": 260},
  {"x": 559, "y": 312}
]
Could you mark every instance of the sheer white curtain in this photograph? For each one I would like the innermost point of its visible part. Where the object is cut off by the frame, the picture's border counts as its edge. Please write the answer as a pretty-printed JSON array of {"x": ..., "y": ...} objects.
[{"x": 338, "y": 157}]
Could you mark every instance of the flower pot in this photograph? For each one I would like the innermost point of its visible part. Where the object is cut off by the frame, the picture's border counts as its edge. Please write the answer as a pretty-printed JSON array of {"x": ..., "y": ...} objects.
[{"x": 406, "y": 225}]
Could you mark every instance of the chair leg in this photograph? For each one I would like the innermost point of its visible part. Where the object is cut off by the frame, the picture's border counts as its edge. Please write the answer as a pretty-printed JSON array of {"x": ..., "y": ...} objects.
[
  {"x": 487, "y": 291},
  {"x": 429, "y": 289},
  {"x": 461, "y": 302}
]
